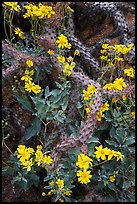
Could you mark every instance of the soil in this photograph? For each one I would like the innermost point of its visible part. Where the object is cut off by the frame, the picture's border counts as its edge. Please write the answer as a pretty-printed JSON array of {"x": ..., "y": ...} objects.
[{"x": 11, "y": 193}]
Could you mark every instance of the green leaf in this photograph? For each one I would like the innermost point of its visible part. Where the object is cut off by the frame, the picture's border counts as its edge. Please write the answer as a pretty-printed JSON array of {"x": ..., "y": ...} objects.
[
  {"x": 65, "y": 104},
  {"x": 104, "y": 126},
  {"x": 130, "y": 141},
  {"x": 112, "y": 186},
  {"x": 48, "y": 187},
  {"x": 93, "y": 140},
  {"x": 55, "y": 92},
  {"x": 79, "y": 105},
  {"x": 35, "y": 179},
  {"x": 47, "y": 93},
  {"x": 120, "y": 133},
  {"x": 34, "y": 129},
  {"x": 112, "y": 131},
  {"x": 25, "y": 102},
  {"x": 111, "y": 142},
  {"x": 49, "y": 177}
]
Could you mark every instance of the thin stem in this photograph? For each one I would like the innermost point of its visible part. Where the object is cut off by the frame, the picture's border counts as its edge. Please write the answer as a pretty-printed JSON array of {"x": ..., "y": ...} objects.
[
  {"x": 5, "y": 24},
  {"x": 102, "y": 162}
]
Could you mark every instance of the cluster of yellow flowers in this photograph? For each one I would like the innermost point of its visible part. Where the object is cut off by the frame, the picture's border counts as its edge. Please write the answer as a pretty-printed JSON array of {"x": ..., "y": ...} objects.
[
  {"x": 62, "y": 42},
  {"x": 117, "y": 50},
  {"x": 13, "y": 6},
  {"x": 118, "y": 84},
  {"x": 84, "y": 162},
  {"x": 129, "y": 72},
  {"x": 39, "y": 11},
  {"x": 29, "y": 85},
  {"x": 87, "y": 94},
  {"x": 103, "y": 152},
  {"x": 28, "y": 157},
  {"x": 58, "y": 186},
  {"x": 104, "y": 107},
  {"x": 19, "y": 33}
]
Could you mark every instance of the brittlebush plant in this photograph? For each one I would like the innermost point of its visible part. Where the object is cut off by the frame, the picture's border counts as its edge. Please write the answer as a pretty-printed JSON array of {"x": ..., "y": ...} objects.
[{"x": 108, "y": 166}]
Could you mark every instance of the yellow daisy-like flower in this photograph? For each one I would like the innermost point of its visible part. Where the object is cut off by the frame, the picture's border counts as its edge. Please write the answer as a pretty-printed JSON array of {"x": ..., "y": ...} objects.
[
  {"x": 29, "y": 63},
  {"x": 13, "y": 5},
  {"x": 133, "y": 114},
  {"x": 84, "y": 176},
  {"x": 109, "y": 86},
  {"x": 28, "y": 164},
  {"x": 114, "y": 100},
  {"x": 129, "y": 72},
  {"x": 77, "y": 52},
  {"x": 51, "y": 183},
  {"x": 104, "y": 107},
  {"x": 103, "y": 57},
  {"x": 124, "y": 97},
  {"x": 83, "y": 161},
  {"x": 118, "y": 155},
  {"x": 29, "y": 86},
  {"x": 62, "y": 42},
  {"x": 101, "y": 152},
  {"x": 60, "y": 183},
  {"x": 61, "y": 59},
  {"x": 119, "y": 84},
  {"x": 26, "y": 72},
  {"x": 50, "y": 52},
  {"x": 110, "y": 154},
  {"x": 36, "y": 89},
  {"x": 47, "y": 159},
  {"x": 112, "y": 178},
  {"x": 99, "y": 115},
  {"x": 26, "y": 78},
  {"x": 43, "y": 194},
  {"x": 105, "y": 46},
  {"x": 19, "y": 33}
]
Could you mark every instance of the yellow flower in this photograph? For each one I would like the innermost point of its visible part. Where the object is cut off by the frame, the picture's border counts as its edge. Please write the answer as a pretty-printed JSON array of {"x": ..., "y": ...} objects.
[
  {"x": 104, "y": 107},
  {"x": 50, "y": 52},
  {"x": 68, "y": 68},
  {"x": 109, "y": 86},
  {"x": 102, "y": 51},
  {"x": 99, "y": 115},
  {"x": 31, "y": 73},
  {"x": 133, "y": 114},
  {"x": 29, "y": 86},
  {"x": 105, "y": 46},
  {"x": 13, "y": 5},
  {"x": 61, "y": 59},
  {"x": 60, "y": 183},
  {"x": 62, "y": 42},
  {"x": 110, "y": 154},
  {"x": 30, "y": 150},
  {"x": 129, "y": 72},
  {"x": 43, "y": 194},
  {"x": 26, "y": 78},
  {"x": 84, "y": 176},
  {"x": 28, "y": 164},
  {"x": 119, "y": 84},
  {"x": 77, "y": 52},
  {"x": 67, "y": 192},
  {"x": 118, "y": 155},
  {"x": 39, "y": 157},
  {"x": 36, "y": 89},
  {"x": 39, "y": 147},
  {"x": 26, "y": 72},
  {"x": 19, "y": 33},
  {"x": 119, "y": 59},
  {"x": 101, "y": 152},
  {"x": 88, "y": 111},
  {"x": 70, "y": 59},
  {"x": 103, "y": 57},
  {"x": 51, "y": 183},
  {"x": 29, "y": 63},
  {"x": 112, "y": 178},
  {"x": 86, "y": 95},
  {"x": 47, "y": 159},
  {"x": 91, "y": 88},
  {"x": 114, "y": 100},
  {"x": 124, "y": 97},
  {"x": 83, "y": 161}
]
